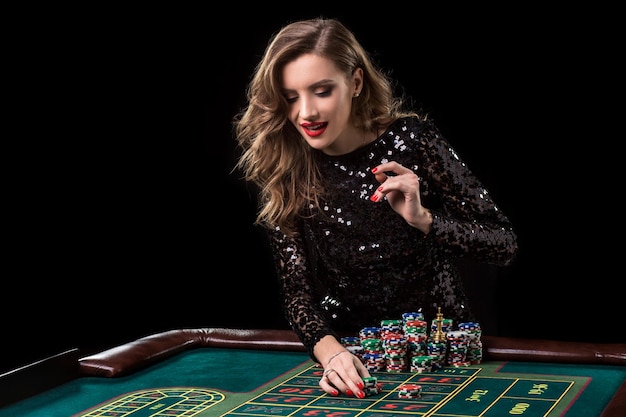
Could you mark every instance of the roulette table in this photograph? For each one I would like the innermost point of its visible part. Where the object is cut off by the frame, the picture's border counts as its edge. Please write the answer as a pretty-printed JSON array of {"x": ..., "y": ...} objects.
[{"x": 247, "y": 372}]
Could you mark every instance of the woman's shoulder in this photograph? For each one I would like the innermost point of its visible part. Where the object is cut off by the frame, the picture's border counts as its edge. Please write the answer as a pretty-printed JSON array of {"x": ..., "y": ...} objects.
[{"x": 414, "y": 127}]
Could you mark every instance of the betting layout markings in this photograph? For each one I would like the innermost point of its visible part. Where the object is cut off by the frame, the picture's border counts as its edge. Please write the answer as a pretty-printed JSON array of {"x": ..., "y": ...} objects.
[
  {"x": 449, "y": 391},
  {"x": 171, "y": 401},
  {"x": 302, "y": 392}
]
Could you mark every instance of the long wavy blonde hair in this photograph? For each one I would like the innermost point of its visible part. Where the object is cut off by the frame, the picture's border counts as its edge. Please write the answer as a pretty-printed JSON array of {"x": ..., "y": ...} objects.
[{"x": 273, "y": 154}]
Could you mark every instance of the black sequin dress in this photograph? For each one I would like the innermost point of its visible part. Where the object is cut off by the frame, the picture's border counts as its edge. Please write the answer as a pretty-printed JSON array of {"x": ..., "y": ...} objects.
[{"x": 359, "y": 262}]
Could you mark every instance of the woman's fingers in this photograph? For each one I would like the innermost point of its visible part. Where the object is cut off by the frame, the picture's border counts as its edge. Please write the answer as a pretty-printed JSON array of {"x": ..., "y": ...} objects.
[
  {"x": 389, "y": 169},
  {"x": 334, "y": 384},
  {"x": 345, "y": 377},
  {"x": 325, "y": 385},
  {"x": 406, "y": 185}
]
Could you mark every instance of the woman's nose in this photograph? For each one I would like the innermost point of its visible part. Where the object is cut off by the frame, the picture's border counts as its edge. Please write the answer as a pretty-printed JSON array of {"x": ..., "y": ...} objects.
[{"x": 308, "y": 109}]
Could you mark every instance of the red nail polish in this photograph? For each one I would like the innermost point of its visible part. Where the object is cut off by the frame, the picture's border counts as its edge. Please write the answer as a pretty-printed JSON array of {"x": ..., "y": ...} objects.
[
  {"x": 349, "y": 393},
  {"x": 380, "y": 188},
  {"x": 374, "y": 170},
  {"x": 374, "y": 198},
  {"x": 360, "y": 394},
  {"x": 360, "y": 385},
  {"x": 334, "y": 393}
]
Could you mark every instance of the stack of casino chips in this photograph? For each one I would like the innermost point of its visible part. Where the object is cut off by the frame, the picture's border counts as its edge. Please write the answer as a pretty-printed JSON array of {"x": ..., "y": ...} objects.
[
  {"x": 374, "y": 346},
  {"x": 373, "y": 351},
  {"x": 372, "y": 386},
  {"x": 374, "y": 362},
  {"x": 421, "y": 363},
  {"x": 411, "y": 316},
  {"x": 369, "y": 333},
  {"x": 394, "y": 345},
  {"x": 391, "y": 326},
  {"x": 416, "y": 332},
  {"x": 407, "y": 391},
  {"x": 475, "y": 346},
  {"x": 396, "y": 348},
  {"x": 458, "y": 341},
  {"x": 437, "y": 351}
]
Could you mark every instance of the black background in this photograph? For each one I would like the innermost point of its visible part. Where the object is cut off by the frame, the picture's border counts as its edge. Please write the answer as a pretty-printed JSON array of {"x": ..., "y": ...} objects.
[{"x": 122, "y": 217}]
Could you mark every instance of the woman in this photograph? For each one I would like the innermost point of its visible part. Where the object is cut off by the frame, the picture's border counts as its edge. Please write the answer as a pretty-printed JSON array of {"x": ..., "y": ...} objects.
[{"x": 366, "y": 205}]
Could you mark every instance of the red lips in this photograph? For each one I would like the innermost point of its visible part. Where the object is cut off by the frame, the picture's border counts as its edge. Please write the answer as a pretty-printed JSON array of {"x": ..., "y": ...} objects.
[{"x": 314, "y": 129}]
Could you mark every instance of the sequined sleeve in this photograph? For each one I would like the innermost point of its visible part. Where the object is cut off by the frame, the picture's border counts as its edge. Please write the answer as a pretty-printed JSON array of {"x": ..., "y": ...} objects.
[
  {"x": 299, "y": 291},
  {"x": 466, "y": 220}
]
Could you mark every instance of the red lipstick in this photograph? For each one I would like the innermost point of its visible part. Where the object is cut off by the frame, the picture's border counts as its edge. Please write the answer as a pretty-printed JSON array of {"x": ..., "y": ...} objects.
[{"x": 314, "y": 129}]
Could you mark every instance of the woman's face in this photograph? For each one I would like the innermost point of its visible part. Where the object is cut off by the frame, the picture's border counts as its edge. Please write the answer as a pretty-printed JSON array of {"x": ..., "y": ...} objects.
[{"x": 320, "y": 99}]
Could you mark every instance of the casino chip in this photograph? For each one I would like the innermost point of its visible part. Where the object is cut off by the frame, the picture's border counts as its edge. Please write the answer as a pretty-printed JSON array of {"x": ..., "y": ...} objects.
[
  {"x": 407, "y": 391},
  {"x": 372, "y": 387}
]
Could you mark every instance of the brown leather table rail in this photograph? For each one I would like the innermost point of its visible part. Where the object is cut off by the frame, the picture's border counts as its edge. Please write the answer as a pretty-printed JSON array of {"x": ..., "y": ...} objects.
[{"x": 132, "y": 356}]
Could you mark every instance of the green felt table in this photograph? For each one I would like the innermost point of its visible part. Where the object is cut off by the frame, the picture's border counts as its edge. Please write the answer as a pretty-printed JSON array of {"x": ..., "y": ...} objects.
[{"x": 234, "y": 379}]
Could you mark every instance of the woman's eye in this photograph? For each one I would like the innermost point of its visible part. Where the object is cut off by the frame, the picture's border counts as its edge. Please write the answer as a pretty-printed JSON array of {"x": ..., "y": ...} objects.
[
  {"x": 291, "y": 99},
  {"x": 324, "y": 93}
]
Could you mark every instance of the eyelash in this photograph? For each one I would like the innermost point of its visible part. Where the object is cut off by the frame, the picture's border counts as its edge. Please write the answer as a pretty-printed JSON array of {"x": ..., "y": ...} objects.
[{"x": 324, "y": 93}]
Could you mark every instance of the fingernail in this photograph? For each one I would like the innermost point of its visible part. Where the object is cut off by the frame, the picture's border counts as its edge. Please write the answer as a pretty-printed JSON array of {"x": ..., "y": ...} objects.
[
  {"x": 374, "y": 170},
  {"x": 374, "y": 198},
  {"x": 380, "y": 188},
  {"x": 334, "y": 393},
  {"x": 349, "y": 393},
  {"x": 360, "y": 385},
  {"x": 360, "y": 394}
]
